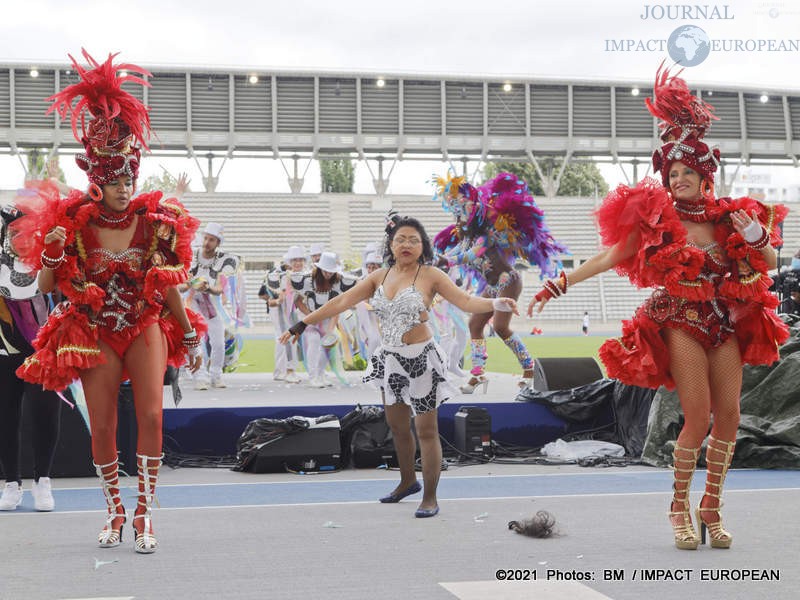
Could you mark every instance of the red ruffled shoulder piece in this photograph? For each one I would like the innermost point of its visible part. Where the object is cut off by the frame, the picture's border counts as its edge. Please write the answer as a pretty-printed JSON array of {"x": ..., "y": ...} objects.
[
  {"x": 644, "y": 212},
  {"x": 171, "y": 250},
  {"x": 749, "y": 279},
  {"x": 769, "y": 215},
  {"x": 65, "y": 345},
  {"x": 43, "y": 209}
]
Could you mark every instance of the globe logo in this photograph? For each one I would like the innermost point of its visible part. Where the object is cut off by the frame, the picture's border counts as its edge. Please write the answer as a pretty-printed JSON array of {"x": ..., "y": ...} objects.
[{"x": 688, "y": 45}]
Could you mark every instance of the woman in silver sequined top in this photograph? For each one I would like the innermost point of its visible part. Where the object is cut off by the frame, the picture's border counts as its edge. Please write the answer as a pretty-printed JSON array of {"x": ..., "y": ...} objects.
[{"x": 409, "y": 367}]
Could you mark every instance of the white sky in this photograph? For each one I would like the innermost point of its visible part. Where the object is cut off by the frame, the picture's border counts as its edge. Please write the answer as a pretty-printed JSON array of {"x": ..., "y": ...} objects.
[{"x": 559, "y": 38}]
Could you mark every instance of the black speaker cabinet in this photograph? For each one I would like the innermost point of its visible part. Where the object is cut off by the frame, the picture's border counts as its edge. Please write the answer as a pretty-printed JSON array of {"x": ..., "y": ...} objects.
[
  {"x": 473, "y": 431},
  {"x": 564, "y": 373},
  {"x": 317, "y": 448}
]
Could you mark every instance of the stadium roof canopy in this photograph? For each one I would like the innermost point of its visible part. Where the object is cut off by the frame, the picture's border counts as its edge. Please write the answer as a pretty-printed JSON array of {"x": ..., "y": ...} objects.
[{"x": 319, "y": 114}]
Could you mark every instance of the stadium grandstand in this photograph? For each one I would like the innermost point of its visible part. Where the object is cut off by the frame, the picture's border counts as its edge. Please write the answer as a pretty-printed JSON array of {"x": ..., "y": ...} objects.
[{"x": 215, "y": 114}]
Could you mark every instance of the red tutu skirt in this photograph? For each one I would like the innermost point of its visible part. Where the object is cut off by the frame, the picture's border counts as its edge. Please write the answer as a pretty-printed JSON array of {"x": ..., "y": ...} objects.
[
  {"x": 69, "y": 343},
  {"x": 640, "y": 356}
]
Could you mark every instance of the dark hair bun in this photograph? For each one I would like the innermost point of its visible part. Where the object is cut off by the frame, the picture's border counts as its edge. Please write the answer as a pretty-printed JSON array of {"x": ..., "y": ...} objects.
[{"x": 392, "y": 219}]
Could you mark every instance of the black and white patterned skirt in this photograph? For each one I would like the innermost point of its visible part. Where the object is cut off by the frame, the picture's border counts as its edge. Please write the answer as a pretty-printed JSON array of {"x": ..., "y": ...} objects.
[{"x": 414, "y": 374}]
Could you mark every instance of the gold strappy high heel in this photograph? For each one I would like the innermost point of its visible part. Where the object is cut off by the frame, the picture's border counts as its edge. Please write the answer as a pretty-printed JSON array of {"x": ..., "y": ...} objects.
[
  {"x": 109, "y": 477},
  {"x": 685, "y": 462},
  {"x": 718, "y": 458},
  {"x": 146, "y": 542}
]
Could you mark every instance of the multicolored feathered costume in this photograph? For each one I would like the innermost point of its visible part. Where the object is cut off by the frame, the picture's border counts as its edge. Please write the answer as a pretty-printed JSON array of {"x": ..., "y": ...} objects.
[
  {"x": 500, "y": 214},
  {"x": 496, "y": 225}
]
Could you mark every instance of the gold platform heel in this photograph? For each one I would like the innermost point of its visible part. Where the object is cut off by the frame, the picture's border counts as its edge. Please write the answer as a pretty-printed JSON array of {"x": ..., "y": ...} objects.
[
  {"x": 109, "y": 477},
  {"x": 685, "y": 463},
  {"x": 718, "y": 458}
]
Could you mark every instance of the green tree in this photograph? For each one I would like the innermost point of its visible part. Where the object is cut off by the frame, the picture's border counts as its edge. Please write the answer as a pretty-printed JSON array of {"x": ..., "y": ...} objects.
[
  {"x": 36, "y": 163},
  {"x": 581, "y": 179},
  {"x": 337, "y": 176},
  {"x": 578, "y": 179},
  {"x": 40, "y": 167},
  {"x": 164, "y": 182}
]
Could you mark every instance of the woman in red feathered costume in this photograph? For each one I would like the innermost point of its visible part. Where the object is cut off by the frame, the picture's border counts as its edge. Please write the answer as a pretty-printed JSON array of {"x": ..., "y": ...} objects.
[
  {"x": 117, "y": 259},
  {"x": 711, "y": 310}
]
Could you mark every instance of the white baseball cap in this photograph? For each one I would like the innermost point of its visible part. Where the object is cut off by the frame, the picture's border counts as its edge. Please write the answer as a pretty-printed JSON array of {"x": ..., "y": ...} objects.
[
  {"x": 373, "y": 259},
  {"x": 317, "y": 248}
]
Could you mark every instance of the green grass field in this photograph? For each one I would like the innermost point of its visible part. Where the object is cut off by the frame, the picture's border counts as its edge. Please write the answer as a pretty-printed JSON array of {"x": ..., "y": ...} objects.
[{"x": 258, "y": 356}]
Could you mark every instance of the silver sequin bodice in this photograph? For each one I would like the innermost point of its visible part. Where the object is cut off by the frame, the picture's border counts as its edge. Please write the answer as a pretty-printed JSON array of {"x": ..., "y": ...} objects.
[{"x": 398, "y": 315}]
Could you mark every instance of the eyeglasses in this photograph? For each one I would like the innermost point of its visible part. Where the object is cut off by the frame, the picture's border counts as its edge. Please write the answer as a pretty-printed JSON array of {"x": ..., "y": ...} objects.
[{"x": 400, "y": 241}]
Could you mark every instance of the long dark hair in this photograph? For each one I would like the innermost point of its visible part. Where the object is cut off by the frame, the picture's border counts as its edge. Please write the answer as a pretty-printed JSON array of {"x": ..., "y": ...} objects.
[
  {"x": 395, "y": 222},
  {"x": 322, "y": 283}
]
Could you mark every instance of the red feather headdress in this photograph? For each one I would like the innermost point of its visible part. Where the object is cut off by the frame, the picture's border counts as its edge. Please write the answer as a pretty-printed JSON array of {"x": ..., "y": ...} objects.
[
  {"x": 684, "y": 120},
  {"x": 120, "y": 123}
]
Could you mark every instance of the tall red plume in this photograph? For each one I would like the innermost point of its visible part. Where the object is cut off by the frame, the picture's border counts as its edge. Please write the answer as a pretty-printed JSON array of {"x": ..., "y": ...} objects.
[
  {"x": 100, "y": 92},
  {"x": 676, "y": 106}
]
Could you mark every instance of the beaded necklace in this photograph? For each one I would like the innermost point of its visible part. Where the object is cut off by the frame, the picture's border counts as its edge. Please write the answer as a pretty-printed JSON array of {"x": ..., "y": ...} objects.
[
  {"x": 689, "y": 211},
  {"x": 114, "y": 220}
]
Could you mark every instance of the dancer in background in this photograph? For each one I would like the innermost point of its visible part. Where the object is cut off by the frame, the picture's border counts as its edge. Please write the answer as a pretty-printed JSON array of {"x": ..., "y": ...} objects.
[
  {"x": 325, "y": 282},
  {"x": 23, "y": 310},
  {"x": 711, "y": 310},
  {"x": 278, "y": 290},
  {"x": 315, "y": 251},
  {"x": 369, "y": 331},
  {"x": 409, "y": 368},
  {"x": 496, "y": 224},
  {"x": 210, "y": 265},
  {"x": 118, "y": 259}
]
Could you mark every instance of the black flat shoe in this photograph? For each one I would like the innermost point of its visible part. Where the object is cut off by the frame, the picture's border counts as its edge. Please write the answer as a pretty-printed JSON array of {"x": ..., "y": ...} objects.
[
  {"x": 424, "y": 513},
  {"x": 396, "y": 497}
]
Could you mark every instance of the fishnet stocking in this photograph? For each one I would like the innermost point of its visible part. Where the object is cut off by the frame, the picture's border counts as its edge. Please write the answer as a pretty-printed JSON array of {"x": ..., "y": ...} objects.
[
  {"x": 709, "y": 384},
  {"x": 689, "y": 365}
]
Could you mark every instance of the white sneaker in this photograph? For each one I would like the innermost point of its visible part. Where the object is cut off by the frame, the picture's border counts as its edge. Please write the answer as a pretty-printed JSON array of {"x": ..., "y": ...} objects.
[
  {"x": 317, "y": 382},
  {"x": 292, "y": 377},
  {"x": 42, "y": 495},
  {"x": 12, "y": 496},
  {"x": 200, "y": 385},
  {"x": 279, "y": 377},
  {"x": 218, "y": 383}
]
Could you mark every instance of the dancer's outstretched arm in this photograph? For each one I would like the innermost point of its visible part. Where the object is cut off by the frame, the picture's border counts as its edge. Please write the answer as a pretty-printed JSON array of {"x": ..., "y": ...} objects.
[
  {"x": 448, "y": 290},
  {"x": 599, "y": 263}
]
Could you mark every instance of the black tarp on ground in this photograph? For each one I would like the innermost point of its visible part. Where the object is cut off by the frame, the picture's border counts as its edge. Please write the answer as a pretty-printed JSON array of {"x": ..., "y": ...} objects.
[
  {"x": 260, "y": 432},
  {"x": 769, "y": 433},
  {"x": 366, "y": 438},
  {"x": 604, "y": 410}
]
